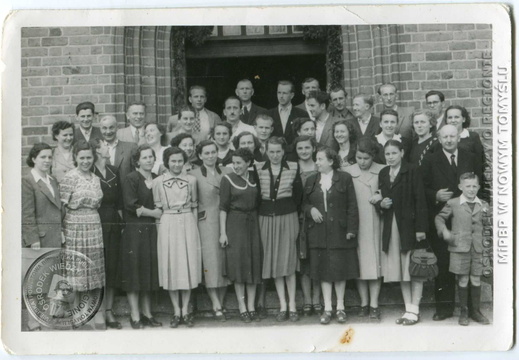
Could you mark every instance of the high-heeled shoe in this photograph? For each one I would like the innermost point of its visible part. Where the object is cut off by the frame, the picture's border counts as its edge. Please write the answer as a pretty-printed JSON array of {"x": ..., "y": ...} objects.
[
  {"x": 150, "y": 321},
  {"x": 113, "y": 324},
  {"x": 136, "y": 324}
]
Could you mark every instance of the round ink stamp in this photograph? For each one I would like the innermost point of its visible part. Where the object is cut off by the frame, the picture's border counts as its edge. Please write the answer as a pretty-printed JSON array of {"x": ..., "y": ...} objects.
[{"x": 54, "y": 296}]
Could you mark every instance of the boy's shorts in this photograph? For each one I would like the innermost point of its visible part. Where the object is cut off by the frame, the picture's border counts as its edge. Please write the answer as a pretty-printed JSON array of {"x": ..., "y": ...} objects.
[{"x": 466, "y": 263}]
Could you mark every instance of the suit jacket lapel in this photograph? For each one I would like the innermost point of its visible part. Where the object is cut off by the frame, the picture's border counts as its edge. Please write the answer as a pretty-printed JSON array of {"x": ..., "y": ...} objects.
[
  {"x": 45, "y": 190},
  {"x": 119, "y": 155},
  {"x": 326, "y": 130},
  {"x": 444, "y": 165}
]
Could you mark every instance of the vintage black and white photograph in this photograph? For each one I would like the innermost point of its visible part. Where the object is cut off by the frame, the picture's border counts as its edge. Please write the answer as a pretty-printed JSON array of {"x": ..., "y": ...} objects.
[{"x": 303, "y": 185}]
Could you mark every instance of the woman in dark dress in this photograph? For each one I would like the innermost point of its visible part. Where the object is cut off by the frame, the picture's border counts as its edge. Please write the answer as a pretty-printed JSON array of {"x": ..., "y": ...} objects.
[
  {"x": 110, "y": 213},
  {"x": 424, "y": 125},
  {"x": 239, "y": 232},
  {"x": 139, "y": 262},
  {"x": 404, "y": 214},
  {"x": 333, "y": 221}
]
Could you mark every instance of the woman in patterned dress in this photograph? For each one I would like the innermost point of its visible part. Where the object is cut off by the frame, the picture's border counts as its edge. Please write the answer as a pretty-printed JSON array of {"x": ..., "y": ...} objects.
[
  {"x": 111, "y": 214},
  {"x": 62, "y": 157},
  {"x": 81, "y": 195},
  {"x": 344, "y": 135},
  {"x": 239, "y": 233},
  {"x": 305, "y": 147},
  {"x": 180, "y": 256}
]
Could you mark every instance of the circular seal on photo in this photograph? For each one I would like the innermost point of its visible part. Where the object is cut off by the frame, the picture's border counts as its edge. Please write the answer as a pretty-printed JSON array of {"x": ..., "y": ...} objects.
[{"x": 52, "y": 294}]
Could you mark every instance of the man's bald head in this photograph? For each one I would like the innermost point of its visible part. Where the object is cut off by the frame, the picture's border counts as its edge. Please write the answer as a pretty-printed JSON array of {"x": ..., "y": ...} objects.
[
  {"x": 449, "y": 138},
  {"x": 108, "y": 127}
]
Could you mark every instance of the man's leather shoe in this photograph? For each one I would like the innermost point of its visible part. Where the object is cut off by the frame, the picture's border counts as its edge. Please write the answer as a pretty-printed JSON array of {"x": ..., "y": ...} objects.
[{"x": 439, "y": 316}]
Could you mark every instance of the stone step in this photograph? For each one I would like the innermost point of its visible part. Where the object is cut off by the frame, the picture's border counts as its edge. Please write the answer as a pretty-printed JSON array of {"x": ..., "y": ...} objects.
[{"x": 390, "y": 294}]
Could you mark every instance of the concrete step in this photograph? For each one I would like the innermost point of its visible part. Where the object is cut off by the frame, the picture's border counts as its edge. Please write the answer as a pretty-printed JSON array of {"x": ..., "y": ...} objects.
[{"x": 390, "y": 294}]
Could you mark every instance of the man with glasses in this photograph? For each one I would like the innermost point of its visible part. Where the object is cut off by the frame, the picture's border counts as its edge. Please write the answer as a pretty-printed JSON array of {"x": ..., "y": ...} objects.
[{"x": 435, "y": 101}]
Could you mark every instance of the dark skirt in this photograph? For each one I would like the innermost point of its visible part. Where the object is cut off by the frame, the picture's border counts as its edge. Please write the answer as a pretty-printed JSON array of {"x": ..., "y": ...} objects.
[
  {"x": 332, "y": 265},
  {"x": 111, "y": 224},
  {"x": 139, "y": 261},
  {"x": 244, "y": 253}
]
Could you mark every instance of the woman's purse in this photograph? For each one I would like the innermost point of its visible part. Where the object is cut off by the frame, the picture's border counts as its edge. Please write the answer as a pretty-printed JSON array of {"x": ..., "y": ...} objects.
[{"x": 423, "y": 263}]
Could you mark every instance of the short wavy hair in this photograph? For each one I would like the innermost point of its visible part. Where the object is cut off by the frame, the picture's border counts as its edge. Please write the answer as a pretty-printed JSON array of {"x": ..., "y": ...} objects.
[
  {"x": 172, "y": 151},
  {"x": 351, "y": 130},
  {"x": 35, "y": 151},
  {"x": 464, "y": 114},
  {"x": 331, "y": 155},
  {"x": 245, "y": 154},
  {"x": 136, "y": 153}
]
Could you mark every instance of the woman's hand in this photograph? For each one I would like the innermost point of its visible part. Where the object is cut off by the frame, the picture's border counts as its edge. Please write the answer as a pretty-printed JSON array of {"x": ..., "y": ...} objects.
[
  {"x": 139, "y": 211},
  {"x": 316, "y": 215},
  {"x": 386, "y": 203},
  {"x": 156, "y": 213},
  {"x": 420, "y": 236},
  {"x": 350, "y": 236},
  {"x": 447, "y": 235},
  {"x": 375, "y": 198},
  {"x": 36, "y": 246},
  {"x": 223, "y": 240}
]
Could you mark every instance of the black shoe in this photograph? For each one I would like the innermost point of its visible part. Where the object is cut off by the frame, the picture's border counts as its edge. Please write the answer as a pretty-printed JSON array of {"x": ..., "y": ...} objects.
[
  {"x": 262, "y": 312},
  {"x": 136, "y": 324},
  {"x": 478, "y": 317},
  {"x": 439, "y": 316},
  {"x": 113, "y": 324},
  {"x": 175, "y": 320},
  {"x": 363, "y": 311},
  {"x": 188, "y": 320},
  {"x": 150, "y": 321}
]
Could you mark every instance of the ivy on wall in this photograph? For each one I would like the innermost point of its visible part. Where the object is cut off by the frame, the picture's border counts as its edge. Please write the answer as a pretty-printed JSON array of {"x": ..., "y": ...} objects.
[
  {"x": 331, "y": 35},
  {"x": 180, "y": 37},
  {"x": 197, "y": 35}
]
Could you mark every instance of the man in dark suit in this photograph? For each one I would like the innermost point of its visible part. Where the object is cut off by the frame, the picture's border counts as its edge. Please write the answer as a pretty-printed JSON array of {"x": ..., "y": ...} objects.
[
  {"x": 284, "y": 114},
  {"x": 441, "y": 171},
  {"x": 365, "y": 124},
  {"x": 85, "y": 117},
  {"x": 244, "y": 91},
  {"x": 389, "y": 95},
  {"x": 337, "y": 107},
  {"x": 435, "y": 101},
  {"x": 309, "y": 84},
  {"x": 120, "y": 151},
  {"x": 318, "y": 103}
]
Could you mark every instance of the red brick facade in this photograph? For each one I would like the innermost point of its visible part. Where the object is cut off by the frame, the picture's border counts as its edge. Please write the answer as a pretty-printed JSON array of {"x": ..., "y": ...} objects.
[{"x": 110, "y": 66}]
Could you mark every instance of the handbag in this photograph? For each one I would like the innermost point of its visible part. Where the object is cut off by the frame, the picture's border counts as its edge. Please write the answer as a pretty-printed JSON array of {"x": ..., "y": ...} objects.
[{"x": 423, "y": 264}]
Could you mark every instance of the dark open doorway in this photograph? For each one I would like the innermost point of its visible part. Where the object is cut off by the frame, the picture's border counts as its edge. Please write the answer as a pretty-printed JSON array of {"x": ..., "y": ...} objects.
[{"x": 220, "y": 76}]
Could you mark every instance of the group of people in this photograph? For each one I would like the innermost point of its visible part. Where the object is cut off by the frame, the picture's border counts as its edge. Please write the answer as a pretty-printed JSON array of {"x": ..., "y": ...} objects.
[{"x": 264, "y": 194}]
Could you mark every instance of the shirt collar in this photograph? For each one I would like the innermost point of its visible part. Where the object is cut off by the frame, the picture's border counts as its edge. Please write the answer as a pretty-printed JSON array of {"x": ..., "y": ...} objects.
[
  {"x": 364, "y": 121},
  {"x": 248, "y": 107},
  {"x": 448, "y": 154},
  {"x": 464, "y": 200},
  {"x": 38, "y": 177},
  {"x": 287, "y": 108},
  {"x": 113, "y": 145},
  {"x": 464, "y": 134},
  {"x": 86, "y": 132},
  {"x": 284, "y": 164}
]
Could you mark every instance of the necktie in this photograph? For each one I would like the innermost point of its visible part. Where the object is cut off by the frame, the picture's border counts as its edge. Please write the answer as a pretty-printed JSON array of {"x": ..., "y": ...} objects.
[
  {"x": 136, "y": 136},
  {"x": 453, "y": 163},
  {"x": 245, "y": 115},
  {"x": 196, "y": 126}
]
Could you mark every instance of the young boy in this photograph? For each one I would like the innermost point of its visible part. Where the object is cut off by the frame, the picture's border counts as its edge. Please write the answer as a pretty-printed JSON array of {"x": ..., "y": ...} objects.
[{"x": 465, "y": 241}]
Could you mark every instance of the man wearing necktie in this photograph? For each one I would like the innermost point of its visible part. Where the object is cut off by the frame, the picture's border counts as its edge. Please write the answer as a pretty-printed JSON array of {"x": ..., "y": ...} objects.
[
  {"x": 308, "y": 85},
  {"x": 244, "y": 91},
  {"x": 136, "y": 116},
  {"x": 441, "y": 171},
  {"x": 205, "y": 119}
]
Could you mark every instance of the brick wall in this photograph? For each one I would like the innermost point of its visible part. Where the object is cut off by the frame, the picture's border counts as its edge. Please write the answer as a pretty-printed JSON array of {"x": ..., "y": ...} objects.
[
  {"x": 62, "y": 67},
  {"x": 419, "y": 58}
]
